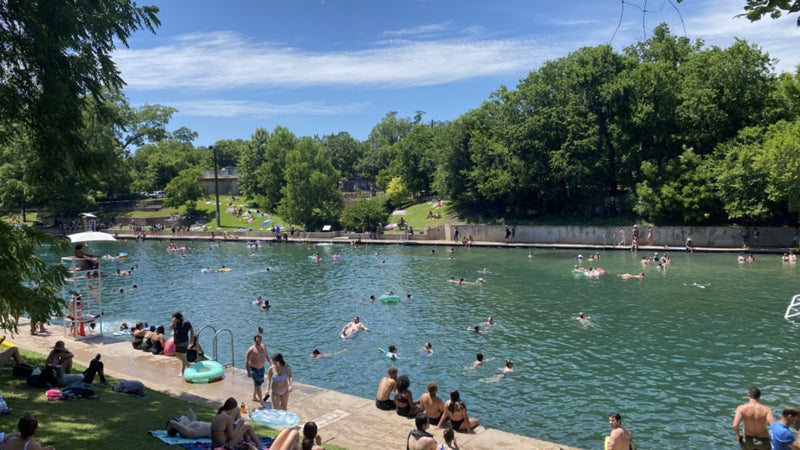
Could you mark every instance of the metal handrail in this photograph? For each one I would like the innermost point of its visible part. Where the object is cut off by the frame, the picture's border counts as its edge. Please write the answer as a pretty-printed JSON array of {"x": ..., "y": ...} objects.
[{"x": 216, "y": 336}]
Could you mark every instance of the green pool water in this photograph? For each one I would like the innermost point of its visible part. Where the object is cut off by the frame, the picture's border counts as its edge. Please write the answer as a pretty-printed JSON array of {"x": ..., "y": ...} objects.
[{"x": 673, "y": 359}]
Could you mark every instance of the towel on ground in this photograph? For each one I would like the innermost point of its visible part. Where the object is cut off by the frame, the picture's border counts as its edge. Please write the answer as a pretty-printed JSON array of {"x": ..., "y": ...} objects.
[{"x": 199, "y": 443}]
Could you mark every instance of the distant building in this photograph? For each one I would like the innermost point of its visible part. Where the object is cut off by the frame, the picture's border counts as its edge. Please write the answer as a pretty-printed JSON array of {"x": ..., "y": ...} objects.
[
  {"x": 355, "y": 184},
  {"x": 226, "y": 177}
]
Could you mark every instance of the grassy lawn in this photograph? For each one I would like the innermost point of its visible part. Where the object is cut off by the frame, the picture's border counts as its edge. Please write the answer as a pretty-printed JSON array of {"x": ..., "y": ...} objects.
[{"x": 114, "y": 420}]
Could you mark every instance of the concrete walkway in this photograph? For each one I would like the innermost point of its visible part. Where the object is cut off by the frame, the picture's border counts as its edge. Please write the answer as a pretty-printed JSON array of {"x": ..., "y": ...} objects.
[{"x": 344, "y": 420}]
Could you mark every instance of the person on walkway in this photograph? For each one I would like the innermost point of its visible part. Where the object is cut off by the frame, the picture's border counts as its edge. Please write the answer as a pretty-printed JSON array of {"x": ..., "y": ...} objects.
[
  {"x": 279, "y": 382},
  {"x": 755, "y": 417},
  {"x": 27, "y": 426},
  {"x": 419, "y": 438},
  {"x": 228, "y": 428},
  {"x": 782, "y": 436},
  {"x": 431, "y": 404},
  {"x": 620, "y": 438},
  {"x": 456, "y": 412},
  {"x": 385, "y": 388},
  {"x": 650, "y": 236},
  {"x": 12, "y": 352},
  {"x": 455, "y": 234},
  {"x": 182, "y": 331},
  {"x": 254, "y": 361}
]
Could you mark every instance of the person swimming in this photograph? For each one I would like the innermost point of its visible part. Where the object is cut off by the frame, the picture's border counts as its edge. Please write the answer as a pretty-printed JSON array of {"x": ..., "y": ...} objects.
[
  {"x": 626, "y": 276},
  {"x": 582, "y": 318},
  {"x": 392, "y": 352},
  {"x": 509, "y": 368}
]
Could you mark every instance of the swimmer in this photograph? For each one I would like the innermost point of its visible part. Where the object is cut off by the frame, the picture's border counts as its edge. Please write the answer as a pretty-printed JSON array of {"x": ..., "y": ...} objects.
[
  {"x": 392, "y": 352},
  {"x": 698, "y": 285},
  {"x": 260, "y": 330},
  {"x": 427, "y": 348},
  {"x": 206, "y": 270},
  {"x": 626, "y": 276},
  {"x": 316, "y": 354},
  {"x": 476, "y": 329},
  {"x": 352, "y": 327},
  {"x": 478, "y": 361},
  {"x": 266, "y": 305},
  {"x": 489, "y": 322},
  {"x": 530, "y": 255},
  {"x": 509, "y": 368},
  {"x": 582, "y": 318},
  {"x": 372, "y": 298},
  {"x": 741, "y": 258},
  {"x": 408, "y": 296},
  {"x": 485, "y": 270}
]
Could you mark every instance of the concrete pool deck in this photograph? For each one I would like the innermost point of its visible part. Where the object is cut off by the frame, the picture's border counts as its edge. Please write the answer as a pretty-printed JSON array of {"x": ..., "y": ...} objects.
[{"x": 344, "y": 420}]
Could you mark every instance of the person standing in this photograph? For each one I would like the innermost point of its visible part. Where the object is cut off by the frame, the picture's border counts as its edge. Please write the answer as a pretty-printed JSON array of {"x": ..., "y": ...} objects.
[
  {"x": 621, "y": 237},
  {"x": 650, "y": 236},
  {"x": 279, "y": 382},
  {"x": 620, "y": 438},
  {"x": 755, "y": 417},
  {"x": 254, "y": 361},
  {"x": 455, "y": 234},
  {"x": 385, "y": 389},
  {"x": 182, "y": 332},
  {"x": 782, "y": 436}
]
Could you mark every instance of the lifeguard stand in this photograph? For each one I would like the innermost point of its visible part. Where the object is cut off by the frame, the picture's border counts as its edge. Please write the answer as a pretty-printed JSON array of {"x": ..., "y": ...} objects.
[{"x": 83, "y": 317}]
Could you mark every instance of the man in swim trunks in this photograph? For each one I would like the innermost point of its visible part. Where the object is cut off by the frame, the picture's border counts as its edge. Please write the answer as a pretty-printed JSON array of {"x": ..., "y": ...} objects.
[
  {"x": 385, "y": 388},
  {"x": 254, "y": 360},
  {"x": 755, "y": 417}
]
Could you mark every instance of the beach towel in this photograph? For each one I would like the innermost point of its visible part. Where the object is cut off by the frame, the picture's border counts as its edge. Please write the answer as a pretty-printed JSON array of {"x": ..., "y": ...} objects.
[{"x": 199, "y": 443}]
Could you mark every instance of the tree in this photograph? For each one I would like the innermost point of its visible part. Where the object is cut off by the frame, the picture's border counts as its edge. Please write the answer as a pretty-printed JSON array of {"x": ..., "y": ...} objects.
[
  {"x": 345, "y": 152},
  {"x": 250, "y": 160},
  {"x": 757, "y": 9},
  {"x": 370, "y": 211},
  {"x": 53, "y": 55},
  {"x": 270, "y": 175},
  {"x": 184, "y": 190},
  {"x": 398, "y": 192},
  {"x": 310, "y": 196}
]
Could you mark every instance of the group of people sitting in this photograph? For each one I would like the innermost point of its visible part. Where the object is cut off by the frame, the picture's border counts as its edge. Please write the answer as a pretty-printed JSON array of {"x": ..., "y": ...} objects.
[
  {"x": 229, "y": 430},
  {"x": 452, "y": 415}
]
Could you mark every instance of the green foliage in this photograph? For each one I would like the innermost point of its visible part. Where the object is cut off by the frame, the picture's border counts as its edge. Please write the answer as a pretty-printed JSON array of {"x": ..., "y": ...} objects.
[
  {"x": 369, "y": 211},
  {"x": 157, "y": 164},
  {"x": 310, "y": 196},
  {"x": 29, "y": 285},
  {"x": 184, "y": 189},
  {"x": 345, "y": 152},
  {"x": 397, "y": 192}
]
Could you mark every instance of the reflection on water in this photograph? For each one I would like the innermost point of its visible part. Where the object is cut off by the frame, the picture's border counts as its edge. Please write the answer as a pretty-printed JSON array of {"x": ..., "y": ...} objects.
[{"x": 673, "y": 359}]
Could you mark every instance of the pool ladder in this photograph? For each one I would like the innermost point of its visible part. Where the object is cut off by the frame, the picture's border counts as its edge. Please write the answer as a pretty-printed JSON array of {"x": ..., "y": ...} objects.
[{"x": 214, "y": 347}]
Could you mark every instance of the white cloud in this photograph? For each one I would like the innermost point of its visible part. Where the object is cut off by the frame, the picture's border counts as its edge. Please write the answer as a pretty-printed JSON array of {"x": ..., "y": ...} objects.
[
  {"x": 262, "y": 110},
  {"x": 227, "y": 61}
]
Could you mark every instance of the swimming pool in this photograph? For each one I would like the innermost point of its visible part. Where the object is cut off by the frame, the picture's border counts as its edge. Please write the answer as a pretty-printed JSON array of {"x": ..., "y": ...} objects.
[{"x": 673, "y": 359}]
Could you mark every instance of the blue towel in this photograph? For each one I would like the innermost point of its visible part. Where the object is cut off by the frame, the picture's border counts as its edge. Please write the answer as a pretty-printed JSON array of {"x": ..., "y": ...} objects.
[{"x": 197, "y": 444}]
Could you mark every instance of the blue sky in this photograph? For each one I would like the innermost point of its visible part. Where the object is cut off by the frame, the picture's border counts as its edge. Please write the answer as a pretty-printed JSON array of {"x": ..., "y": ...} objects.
[{"x": 319, "y": 67}]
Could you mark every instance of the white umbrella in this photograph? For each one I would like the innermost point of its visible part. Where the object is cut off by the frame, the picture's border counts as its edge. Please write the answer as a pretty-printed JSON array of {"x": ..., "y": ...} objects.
[
  {"x": 88, "y": 236},
  {"x": 89, "y": 215}
]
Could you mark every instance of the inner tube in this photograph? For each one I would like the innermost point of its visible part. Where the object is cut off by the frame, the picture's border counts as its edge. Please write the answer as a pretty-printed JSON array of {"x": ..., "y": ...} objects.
[
  {"x": 275, "y": 418},
  {"x": 203, "y": 372},
  {"x": 389, "y": 298}
]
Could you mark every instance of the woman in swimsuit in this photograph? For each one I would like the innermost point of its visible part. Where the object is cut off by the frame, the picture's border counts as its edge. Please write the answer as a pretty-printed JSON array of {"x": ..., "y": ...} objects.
[
  {"x": 403, "y": 399},
  {"x": 147, "y": 344},
  {"x": 279, "y": 382},
  {"x": 456, "y": 411},
  {"x": 27, "y": 426},
  {"x": 158, "y": 341}
]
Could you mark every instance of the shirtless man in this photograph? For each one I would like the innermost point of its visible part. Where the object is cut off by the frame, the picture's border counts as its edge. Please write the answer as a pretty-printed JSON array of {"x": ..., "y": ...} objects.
[
  {"x": 620, "y": 438},
  {"x": 254, "y": 360},
  {"x": 353, "y": 327},
  {"x": 385, "y": 388},
  {"x": 432, "y": 405},
  {"x": 755, "y": 417}
]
